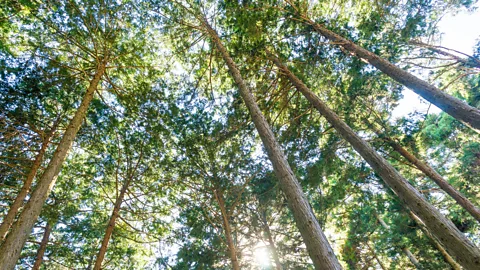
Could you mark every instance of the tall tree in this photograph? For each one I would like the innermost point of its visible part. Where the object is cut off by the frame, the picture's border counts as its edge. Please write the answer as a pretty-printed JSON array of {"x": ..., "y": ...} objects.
[
  {"x": 25, "y": 190},
  {"x": 317, "y": 244},
  {"x": 131, "y": 166},
  {"x": 434, "y": 175},
  {"x": 42, "y": 248},
  {"x": 10, "y": 249},
  {"x": 101, "y": 46},
  {"x": 444, "y": 229},
  {"x": 458, "y": 109}
]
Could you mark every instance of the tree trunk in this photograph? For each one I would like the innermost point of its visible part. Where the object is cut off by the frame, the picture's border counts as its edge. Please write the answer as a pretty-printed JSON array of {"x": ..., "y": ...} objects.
[
  {"x": 384, "y": 225},
  {"x": 273, "y": 248},
  {"x": 405, "y": 250},
  {"x": 460, "y": 110},
  {"x": 435, "y": 242},
  {"x": 317, "y": 244},
  {"x": 11, "y": 248},
  {"x": 18, "y": 202},
  {"x": 411, "y": 257},
  {"x": 467, "y": 254},
  {"x": 42, "y": 248},
  {"x": 111, "y": 224},
  {"x": 228, "y": 230},
  {"x": 376, "y": 257},
  {"x": 437, "y": 178}
]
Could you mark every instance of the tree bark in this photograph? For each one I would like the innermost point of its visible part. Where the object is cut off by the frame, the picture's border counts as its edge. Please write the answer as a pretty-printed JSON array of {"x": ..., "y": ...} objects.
[
  {"x": 467, "y": 254},
  {"x": 435, "y": 242},
  {"x": 317, "y": 244},
  {"x": 227, "y": 229},
  {"x": 458, "y": 109},
  {"x": 273, "y": 248},
  {"x": 18, "y": 202},
  {"x": 42, "y": 248},
  {"x": 11, "y": 248},
  {"x": 437, "y": 178},
  {"x": 111, "y": 224}
]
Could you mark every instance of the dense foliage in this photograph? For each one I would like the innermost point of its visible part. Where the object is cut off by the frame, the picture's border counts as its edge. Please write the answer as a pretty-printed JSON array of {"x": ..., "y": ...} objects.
[{"x": 168, "y": 171}]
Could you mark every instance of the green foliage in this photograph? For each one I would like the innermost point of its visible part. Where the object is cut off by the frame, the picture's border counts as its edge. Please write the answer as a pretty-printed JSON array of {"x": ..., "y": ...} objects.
[{"x": 167, "y": 116}]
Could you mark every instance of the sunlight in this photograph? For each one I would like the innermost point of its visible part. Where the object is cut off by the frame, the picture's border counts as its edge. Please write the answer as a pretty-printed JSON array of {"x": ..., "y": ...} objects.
[{"x": 262, "y": 256}]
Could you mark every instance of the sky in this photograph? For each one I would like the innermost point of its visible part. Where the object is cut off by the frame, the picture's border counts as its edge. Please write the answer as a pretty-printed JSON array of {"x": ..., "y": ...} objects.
[{"x": 459, "y": 32}]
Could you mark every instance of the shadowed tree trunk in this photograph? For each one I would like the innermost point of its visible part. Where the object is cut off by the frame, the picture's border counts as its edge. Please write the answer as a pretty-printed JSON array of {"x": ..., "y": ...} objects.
[
  {"x": 317, "y": 244},
  {"x": 460, "y": 110},
  {"x": 111, "y": 225},
  {"x": 227, "y": 229},
  {"x": 467, "y": 254},
  {"x": 11, "y": 248},
  {"x": 42, "y": 248},
  {"x": 273, "y": 248},
  {"x": 18, "y": 202}
]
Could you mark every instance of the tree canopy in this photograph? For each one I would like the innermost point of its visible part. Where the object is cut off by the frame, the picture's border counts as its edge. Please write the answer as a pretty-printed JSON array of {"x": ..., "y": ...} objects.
[{"x": 182, "y": 134}]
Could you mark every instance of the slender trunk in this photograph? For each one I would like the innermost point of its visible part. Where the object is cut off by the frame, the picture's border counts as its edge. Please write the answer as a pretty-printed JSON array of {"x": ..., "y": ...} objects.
[
  {"x": 435, "y": 242},
  {"x": 467, "y": 254},
  {"x": 405, "y": 250},
  {"x": 115, "y": 213},
  {"x": 228, "y": 230},
  {"x": 437, "y": 178},
  {"x": 432, "y": 174},
  {"x": 11, "y": 248},
  {"x": 317, "y": 244},
  {"x": 111, "y": 225},
  {"x": 273, "y": 248},
  {"x": 384, "y": 225},
  {"x": 376, "y": 257},
  {"x": 460, "y": 110},
  {"x": 411, "y": 257},
  {"x": 42, "y": 248},
  {"x": 18, "y": 202}
]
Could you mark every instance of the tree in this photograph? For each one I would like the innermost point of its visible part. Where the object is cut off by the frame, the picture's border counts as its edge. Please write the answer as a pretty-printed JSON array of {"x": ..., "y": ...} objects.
[
  {"x": 10, "y": 249},
  {"x": 29, "y": 90},
  {"x": 42, "y": 248},
  {"x": 317, "y": 244},
  {"x": 132, "y": 171},
  {"x": 95, "y": 58},
  {"x": 435, "y": 176},
  {"x": 458, "y": 109},
  {"x": 196, "y": 150},
  {"x": 440, "y": 226}
]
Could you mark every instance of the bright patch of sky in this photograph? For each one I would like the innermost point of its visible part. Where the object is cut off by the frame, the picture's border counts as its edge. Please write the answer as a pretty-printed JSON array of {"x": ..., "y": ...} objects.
[{"x": 460, "y": 32}]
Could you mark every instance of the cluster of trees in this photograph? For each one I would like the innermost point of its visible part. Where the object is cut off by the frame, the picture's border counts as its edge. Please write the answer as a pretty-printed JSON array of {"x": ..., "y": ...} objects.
[{"x": 182, "y": 134}]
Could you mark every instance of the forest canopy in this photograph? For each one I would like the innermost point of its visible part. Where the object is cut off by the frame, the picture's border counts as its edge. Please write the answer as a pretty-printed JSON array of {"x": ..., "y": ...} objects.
[{"x": 238, "y": 134}]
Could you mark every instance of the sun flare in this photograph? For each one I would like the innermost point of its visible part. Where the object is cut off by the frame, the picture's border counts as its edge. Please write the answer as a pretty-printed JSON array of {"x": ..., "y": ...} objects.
[{"x": 262, "y": 255}]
